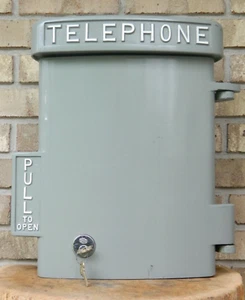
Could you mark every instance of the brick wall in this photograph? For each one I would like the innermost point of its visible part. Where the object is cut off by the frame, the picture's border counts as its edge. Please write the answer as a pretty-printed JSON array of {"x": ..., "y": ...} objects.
[{"x": 19, "y": 99}]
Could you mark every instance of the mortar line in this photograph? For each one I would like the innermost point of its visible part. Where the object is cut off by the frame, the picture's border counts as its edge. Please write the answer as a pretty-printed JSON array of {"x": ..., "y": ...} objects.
[
  {"x": 5, "y": 262},
  {"x": 227, "y": 68},
  {"x": 231, "y": 263},
  {"x": 5, "y": 228},
  {"x": 223, "y": 134},
  {"x": 121, "y": 7},
  {"x": 19, "y": 120},
  {"x": 224, "y": 197},
  {"x": 227, "y": 7},
  {"x": 15, "y": 8},
  {"x": 16, "y": 68},
  {"x": 13, "y": 137},
  {"x": 239, "y": 227},
  {"x": 226, "y": 121},
  {"x": 230, "y": 155},
  {"x": 225, "y": 139},
  {"x": 5, "y": 192},
  {"x": 224, "y": 191},
  {"x": 18, "y": 85},
  {"x": 36, "y": 17}
]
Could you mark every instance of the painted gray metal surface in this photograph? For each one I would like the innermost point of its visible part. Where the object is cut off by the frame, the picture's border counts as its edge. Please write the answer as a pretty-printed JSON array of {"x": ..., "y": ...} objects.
[
  {"x": 127, "y": 157},
  {"x": 127, "y": 34}
]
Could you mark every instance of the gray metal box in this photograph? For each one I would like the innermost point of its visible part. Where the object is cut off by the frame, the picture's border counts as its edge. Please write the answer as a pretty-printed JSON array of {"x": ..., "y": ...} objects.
[{"x": 126, "y": 149}]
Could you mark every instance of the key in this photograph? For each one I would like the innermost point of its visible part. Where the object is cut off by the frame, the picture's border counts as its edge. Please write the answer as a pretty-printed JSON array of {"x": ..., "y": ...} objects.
[
  {"x": 83, "y": 250},
  {"x": 83, "y": 273}
]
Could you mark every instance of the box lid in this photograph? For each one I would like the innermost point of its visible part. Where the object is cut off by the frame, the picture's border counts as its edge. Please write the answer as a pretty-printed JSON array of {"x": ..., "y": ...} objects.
[{"x": 127, "y": 34}]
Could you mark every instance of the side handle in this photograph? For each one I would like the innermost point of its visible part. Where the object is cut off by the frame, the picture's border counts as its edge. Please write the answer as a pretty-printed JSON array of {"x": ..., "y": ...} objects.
[{"x": 224, "y": 91}]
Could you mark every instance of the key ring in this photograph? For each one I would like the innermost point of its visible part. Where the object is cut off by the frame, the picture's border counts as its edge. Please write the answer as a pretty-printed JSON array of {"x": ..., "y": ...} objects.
[{"x": 82, "y": 269}]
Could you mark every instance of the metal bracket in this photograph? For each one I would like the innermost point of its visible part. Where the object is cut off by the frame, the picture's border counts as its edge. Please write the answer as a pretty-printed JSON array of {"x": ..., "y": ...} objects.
[
  {"x": 224, "y": 91},
  {"x": 225, "y": 249},
  {"x": 222, "y": 228}
]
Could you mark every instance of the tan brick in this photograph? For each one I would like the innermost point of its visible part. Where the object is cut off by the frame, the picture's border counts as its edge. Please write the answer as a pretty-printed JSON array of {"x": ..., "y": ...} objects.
[
  {"x": 155, "y": 7},
  {"x": 238, "y": 6},
  {"x": 236, "y": 137},
  {"x": 230, "y": 173},
  {"x": 240, "y": 248},
  {"x": 238, "y": 68},
  {"x": 219, "y": 71},
  {"x": 12, "y": 247},
  {"x": 15, "y": 33},
  {"x": 4, "y": 209},
  {"x": 29, "y": 69},
  {"x": 27, "y": 137},
  {"x": 5, "y": 137},
  {"x": 234, "y": 108},
  {"x": 233, "y": 32},
  {"x": 5, "y": 173},
  {"x": 174, "y": 6},
  {"x": 19, "y": 103},
  {"x": 206, "y": 6},
  {"x": 239, "y": 202},
  {"x": 6, "y": 69},
  {"x": 218, "y": 199},
  {"x": 66, "y": 7},
  {"x": 5, "y": 6},
  {"x": 218, "y": 138}
]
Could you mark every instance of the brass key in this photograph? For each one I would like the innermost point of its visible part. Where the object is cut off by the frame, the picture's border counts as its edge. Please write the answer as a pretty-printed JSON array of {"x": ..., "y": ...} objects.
[{"x": 83, "y": 273}]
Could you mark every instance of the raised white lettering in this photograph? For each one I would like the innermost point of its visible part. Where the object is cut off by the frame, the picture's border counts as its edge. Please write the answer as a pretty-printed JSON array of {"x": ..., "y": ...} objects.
[
  {"x": 25, "y": 178},
  {"x": 87, "y": 38},
  {"x": 108, "y": 32},
  {"x": 28, "y": 212},
  {"x": 186, "y": 35},
  {"x": 124, "y": 31},
  {"x": 27, "y": 163},
  {"x": 201, "y": 35},
  {"x": 168, "y": 38},
  {"x": 35, "y": 227},
  {"x": 25, "y": 194},
  {"x": 129, "y": 31},
  {"x": 29, "y": 227},
  {"x": 143, "y": 32},
  {"x": 72, "y": 33},
  {"x": 54, "y": 27}
]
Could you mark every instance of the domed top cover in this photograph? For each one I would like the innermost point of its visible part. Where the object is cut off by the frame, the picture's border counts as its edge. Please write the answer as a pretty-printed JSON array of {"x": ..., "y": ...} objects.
[{"x": 127, "y": 34}]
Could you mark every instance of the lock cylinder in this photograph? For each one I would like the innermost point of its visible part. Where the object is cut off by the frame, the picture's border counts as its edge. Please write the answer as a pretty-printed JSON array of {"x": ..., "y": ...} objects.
[{"x": 84, "y": 246}]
